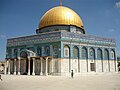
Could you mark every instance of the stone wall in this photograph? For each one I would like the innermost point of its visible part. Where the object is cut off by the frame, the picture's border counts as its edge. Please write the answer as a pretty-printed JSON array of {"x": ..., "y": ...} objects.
[{"x": 85, "y": 66}]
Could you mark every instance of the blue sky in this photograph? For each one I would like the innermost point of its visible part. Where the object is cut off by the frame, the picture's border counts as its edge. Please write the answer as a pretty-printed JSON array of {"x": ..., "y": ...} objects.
[{"x": 22, "y": 17}]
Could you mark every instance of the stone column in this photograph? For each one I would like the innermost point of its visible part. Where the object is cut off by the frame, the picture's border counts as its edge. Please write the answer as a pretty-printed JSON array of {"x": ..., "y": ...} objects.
[
  {"x": 51, "y": 54},
  {"x": 88, "y": 61},
  {"x": 52, "y": 65},
  {"x": 96, "y": 57},
  {"x": 102, "y": 59},
  {"x": 116, "y": 63},
  {"x": 14, "y": 66},
  {"x": 62, "y": 50},
  {"x": 19, "y": 66},
  {"x": 46, "y": 71},
  {"x": 109, "y": 59},
  {"x": 5, "y": 71},
  {"x": 29, "y": 66},
  {"x": 9, "y": 66},
  {"x": 79, "y": 58},
  {"x": 70, "y": 63},
  {"x": 41, "y": 73},
  {"x": 33, "y": 73},
  {"x": 96, "y": 60}
]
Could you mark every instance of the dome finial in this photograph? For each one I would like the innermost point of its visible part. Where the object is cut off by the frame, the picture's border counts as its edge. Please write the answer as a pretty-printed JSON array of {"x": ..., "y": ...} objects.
[{"x": 60, "y": 2}]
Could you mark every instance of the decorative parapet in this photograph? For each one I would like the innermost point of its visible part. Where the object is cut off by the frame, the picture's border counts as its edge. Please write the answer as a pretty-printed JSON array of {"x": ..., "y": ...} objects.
[
  {"x": 34, "y": 39},
  {"x": 58, "y": 36},
  {"x": 88, "y": 39}
]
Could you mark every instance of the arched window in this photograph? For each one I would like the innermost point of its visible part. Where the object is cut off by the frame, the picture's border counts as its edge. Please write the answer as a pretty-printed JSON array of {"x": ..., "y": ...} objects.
[
  {"x": 9, "y": 51},
  {"x": 99, "y": 54},
  {"x": 66, "y": 51},
  {"x": 39, "y": 51},
  {"x": 76, "y": 52},
  {"x": 112, "y": 54},
  {"x": 47, "y": 50},
  {"x": 56, "y": 51},
  {"x": 84, "y": 53},
  {"x": 106, "y": 54},
  {"x": 15, "y": 53},
  {"x": 23, "y": 54},
  {"x": 92, "y": 53}
]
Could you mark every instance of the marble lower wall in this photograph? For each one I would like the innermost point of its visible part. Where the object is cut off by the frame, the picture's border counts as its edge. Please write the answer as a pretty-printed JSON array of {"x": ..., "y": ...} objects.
[
  {"x": 74, "y": 65},
  {"x": 84, "y": 66},
  {"x": 99, "y": 65},
  {"x": 105, "y": 66},
  {"x": 66, "y": 65},
  {"x": 112, "y": 65}
]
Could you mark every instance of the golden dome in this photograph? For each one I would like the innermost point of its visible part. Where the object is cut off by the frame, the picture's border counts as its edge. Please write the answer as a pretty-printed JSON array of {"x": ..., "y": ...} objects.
[{"x": 60, "y": 15}]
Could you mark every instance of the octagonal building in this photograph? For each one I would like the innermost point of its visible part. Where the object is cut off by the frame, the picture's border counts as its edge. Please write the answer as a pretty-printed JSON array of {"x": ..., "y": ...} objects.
[{"x": 59, "y": 46}]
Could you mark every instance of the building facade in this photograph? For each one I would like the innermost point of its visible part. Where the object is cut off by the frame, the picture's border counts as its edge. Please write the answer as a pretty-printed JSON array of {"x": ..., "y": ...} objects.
[{"x": 59, "y": 46}]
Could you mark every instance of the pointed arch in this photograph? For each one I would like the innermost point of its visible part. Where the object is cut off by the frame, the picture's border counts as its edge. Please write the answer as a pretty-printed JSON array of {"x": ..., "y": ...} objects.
[
  {"x": 56, "y": 51},
  {"x": 39, "y": 51},
  {"x": 15, "y": 53},
  {"x": 112, "y": 52},
  {"x": 47, "y": 51},
  {"x": 66, "y": 51},
  {"x": 99, "y": 54},
  {"x": 106, "y": 54},
  {"x": 84, "y": 53},
  {"x": 92, "y": 53},
  {"x": 26, "y": 52},
  {"x": 23, "y": 54},
  {"x": 76, "y": 52},
  {"x": 9, "y": 53}
]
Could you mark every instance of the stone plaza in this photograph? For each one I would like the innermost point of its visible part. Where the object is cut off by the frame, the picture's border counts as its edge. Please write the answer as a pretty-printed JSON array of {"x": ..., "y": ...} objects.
[{"x": 106, "y": 81}]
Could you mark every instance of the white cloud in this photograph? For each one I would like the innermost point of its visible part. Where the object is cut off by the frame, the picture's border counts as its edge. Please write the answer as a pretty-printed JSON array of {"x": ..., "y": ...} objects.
[
  {"x": 117, "y": 4},
  {"x": 111, "y": 30},
  {"x": 2, "y": 36}
]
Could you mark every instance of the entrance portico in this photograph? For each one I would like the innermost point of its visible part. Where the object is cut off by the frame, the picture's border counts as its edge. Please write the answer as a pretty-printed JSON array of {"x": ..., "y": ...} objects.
[{"x": 28, "y": 66}]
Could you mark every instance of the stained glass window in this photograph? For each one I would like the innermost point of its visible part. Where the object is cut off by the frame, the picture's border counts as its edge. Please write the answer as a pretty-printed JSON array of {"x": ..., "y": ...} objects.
[
  {"x": 112, "y": 54},
  {"x": 23, "y": 54},
  {"x": 15, "y": 53},
  {"x": 106, "y": 54},
  {"x": 99, "y": 54},
  {"x": 56, "y": 51},
  {"x": 9, "y": 52},
  {"x": 47, "y": 51},
  {"x": 39, "y": 53},
  {"x": 75, "y": 52},
  {"x": 66, "y": 51},
  {"x": 84, "y": 53},
  {"x": 92, "y": 53}
]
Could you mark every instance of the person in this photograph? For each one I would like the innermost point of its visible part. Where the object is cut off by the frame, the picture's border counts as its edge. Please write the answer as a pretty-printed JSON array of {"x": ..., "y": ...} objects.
[
  {"x": 118, "y": 66},
  {"x": 72, "y": 73},
  {"x": 0, "y": 77}
]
